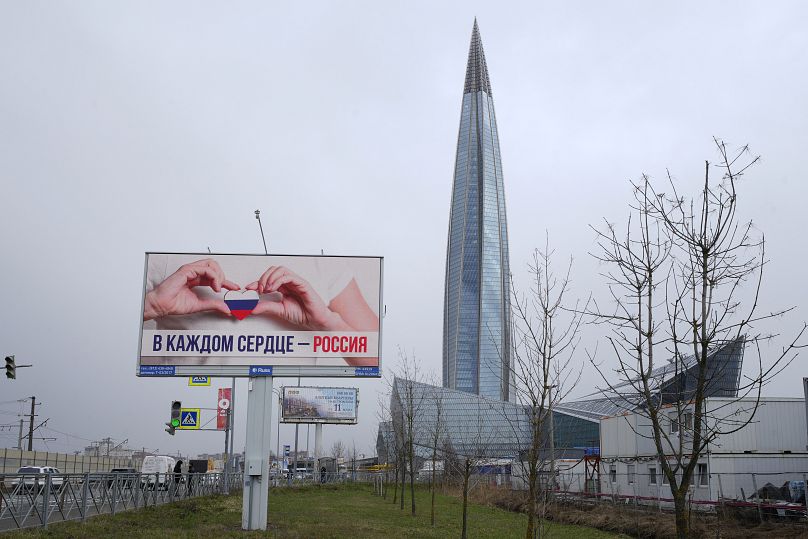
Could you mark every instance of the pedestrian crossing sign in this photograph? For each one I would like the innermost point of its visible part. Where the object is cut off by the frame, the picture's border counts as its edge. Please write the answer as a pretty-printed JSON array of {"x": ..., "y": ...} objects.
[
  {"x": 196, "y": 381},
  {"x": 189, "y": 419}
]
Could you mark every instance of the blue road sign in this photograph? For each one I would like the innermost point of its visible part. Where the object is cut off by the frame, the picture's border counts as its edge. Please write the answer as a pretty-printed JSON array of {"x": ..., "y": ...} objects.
[
  {"x": 189, "y": 418},
  {"x": 260, "y": 371}
]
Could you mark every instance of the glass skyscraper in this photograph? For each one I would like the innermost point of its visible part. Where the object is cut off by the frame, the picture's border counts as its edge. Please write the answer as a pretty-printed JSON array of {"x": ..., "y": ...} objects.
[{"x": 477, "y": 308}]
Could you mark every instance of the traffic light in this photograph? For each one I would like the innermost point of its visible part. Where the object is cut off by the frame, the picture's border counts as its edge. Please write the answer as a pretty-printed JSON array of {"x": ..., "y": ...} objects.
[
  {"x": 176, "y": 412},
  {"x": 11, "y": 368}
]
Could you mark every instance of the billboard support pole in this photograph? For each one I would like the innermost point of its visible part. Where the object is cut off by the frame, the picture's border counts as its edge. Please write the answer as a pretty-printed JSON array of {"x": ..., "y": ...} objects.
[
  {"x": 231, "y": 421},
  {"x": 226, "y": 452},
  {"x": 297, "y": 426},
  {"x": 256, "y": 451},
  {"x": 318, "y": 446}
]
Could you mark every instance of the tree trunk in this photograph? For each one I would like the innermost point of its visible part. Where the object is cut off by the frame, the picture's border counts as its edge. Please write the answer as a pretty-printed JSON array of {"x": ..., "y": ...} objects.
[
  {"x": 432, "y": 486},
  {"x": 531, "y": 504},
  {"x": 466, "y": 473},
  {"x": 682, "y": 520},
  {"x": 395, "y": 486},
  {"x": 412, "y": 476},
  {"x": 403, "y": 481}
]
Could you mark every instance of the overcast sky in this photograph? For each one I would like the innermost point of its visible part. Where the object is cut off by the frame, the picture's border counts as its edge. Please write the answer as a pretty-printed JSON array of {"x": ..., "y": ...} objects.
[{"x": 127, "y": 127}]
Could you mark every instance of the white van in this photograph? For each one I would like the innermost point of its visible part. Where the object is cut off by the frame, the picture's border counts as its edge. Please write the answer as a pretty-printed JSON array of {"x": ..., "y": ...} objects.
[{"x": 157, "y": 470}]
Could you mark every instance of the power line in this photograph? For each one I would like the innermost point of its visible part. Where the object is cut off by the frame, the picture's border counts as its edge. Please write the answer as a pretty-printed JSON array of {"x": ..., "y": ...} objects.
[
  {"x": 12, "y": 402},
  {"x": 69, "y": 435}
]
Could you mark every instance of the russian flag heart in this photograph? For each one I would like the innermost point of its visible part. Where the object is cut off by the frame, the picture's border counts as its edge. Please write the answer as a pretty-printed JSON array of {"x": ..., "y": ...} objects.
[{"x": 241, "y": 302}]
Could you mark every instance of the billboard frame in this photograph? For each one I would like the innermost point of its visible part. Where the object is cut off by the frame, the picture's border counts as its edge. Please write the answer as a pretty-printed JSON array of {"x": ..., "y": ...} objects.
[
  {"x": 245, "y": 371},
  {"x": 314, "y": 420}
]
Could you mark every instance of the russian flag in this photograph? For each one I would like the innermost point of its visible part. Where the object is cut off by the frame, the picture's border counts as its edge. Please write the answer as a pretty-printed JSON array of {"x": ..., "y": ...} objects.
[{"x": 241, "y": 304}]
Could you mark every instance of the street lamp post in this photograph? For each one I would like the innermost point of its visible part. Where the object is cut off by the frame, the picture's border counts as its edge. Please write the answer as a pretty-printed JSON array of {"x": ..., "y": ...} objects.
[{"x": 278, "y": 392}]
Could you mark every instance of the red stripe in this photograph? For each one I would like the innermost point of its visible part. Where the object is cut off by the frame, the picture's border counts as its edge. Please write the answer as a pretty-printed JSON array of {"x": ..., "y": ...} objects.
[{"x": 241, "y": 314}]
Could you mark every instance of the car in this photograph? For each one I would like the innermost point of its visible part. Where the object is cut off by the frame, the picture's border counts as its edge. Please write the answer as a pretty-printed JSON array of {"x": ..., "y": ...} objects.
[
  {"x": 157, "y": 472},
  {"x": 33, "y": 479}
]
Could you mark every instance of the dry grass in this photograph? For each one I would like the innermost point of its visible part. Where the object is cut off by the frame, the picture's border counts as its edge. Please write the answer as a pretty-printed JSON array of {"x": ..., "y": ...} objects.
[{"x": 641, "y": 523}]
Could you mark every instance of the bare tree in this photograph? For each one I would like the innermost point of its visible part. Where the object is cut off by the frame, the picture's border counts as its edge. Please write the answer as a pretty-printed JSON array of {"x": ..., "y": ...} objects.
[
  {"x": 474, "y": 447},
  {"x": 451, "y": 463},
  {"x": 386, "y": 446},
  {"x": 398, "y": 442},
  {"x": 676, "y": 281},
  {"x": 338, "y": 452},
  {"x": 436, "y": 435},
  {"x": 545, "y": 336},
  {"x": 406, "y": 405}
]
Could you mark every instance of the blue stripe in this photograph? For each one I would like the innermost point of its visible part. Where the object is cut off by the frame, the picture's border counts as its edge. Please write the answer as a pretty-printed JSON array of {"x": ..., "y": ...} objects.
[{"x": 241, "y": 304}]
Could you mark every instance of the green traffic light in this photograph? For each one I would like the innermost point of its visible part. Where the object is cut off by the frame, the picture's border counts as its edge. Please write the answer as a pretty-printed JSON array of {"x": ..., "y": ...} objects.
[{"x": 175, "y": 423}]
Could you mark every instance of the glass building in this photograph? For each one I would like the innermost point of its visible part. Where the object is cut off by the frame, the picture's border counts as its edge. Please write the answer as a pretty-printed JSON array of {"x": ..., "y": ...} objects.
[
  {"x": 477, "y": 309},
  {"x": 477, "y": 426}
]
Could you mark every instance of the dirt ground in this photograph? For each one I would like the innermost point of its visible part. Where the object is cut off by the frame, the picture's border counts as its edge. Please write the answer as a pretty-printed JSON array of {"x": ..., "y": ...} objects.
[{"x": 648, "y": 523}]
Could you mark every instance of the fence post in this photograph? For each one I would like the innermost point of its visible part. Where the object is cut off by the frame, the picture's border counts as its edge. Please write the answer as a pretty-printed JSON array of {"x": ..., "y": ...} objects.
[
  {"x": 114, "y": 492},
  {"x": 135, "y": 487},
  {"x": 46, "y": 499},
  {"x": 85, "y": 485},
  {"x": 757, "y": 498}
]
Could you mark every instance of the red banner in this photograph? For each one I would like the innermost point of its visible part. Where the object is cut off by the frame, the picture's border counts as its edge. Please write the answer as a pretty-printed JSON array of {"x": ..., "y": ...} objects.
[{"x": 223, "y": 407}]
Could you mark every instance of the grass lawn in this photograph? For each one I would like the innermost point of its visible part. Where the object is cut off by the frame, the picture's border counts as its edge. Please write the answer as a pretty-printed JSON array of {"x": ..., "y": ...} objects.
[{"x": 316, "y": 512}]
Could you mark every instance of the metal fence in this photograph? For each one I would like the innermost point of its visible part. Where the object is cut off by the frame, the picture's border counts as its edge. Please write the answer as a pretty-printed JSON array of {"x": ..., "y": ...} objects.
[
  {"x": 280, "y": 480},
  {"x": 750, "y": 496},
  {"x": 37, "y": 500}
]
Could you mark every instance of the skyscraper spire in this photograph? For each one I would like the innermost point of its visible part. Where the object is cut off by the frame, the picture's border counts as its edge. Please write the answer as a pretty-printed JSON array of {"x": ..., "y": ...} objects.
[
  {"x": 477, "y": 308},
  {"x": 476, "y": 70}
]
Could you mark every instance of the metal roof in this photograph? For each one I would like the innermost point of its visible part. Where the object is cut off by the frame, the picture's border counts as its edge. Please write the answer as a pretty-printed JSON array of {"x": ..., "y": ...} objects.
[{"x": 672, "y": 381}]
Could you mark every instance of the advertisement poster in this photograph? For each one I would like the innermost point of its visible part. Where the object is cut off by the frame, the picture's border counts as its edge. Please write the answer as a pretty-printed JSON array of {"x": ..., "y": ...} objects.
[
  {"x": 319, "y": 404},
  {"x": 222, "y": 406},
  {"x": 259, "y": 312}
]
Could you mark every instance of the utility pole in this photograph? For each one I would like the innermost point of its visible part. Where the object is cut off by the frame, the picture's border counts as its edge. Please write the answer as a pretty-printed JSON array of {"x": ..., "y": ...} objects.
[
  {"x": 19, "y": 436},
  {"x": 31, "y": 425}
]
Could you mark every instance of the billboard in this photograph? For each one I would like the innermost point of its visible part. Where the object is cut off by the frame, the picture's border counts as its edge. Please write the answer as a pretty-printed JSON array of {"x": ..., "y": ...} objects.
[
  {"x": 260, "y": 315},
  {"x": 319, "y": 404}
]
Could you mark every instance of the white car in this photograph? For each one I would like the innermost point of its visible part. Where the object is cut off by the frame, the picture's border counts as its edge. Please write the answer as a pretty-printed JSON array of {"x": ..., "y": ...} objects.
[
  {"x": 33, "y": 478},
  {"x": 157, "y": 472}
]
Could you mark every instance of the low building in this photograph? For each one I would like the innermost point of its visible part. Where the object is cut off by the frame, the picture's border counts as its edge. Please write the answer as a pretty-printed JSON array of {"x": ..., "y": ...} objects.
[{"x": 771, "y": 449}]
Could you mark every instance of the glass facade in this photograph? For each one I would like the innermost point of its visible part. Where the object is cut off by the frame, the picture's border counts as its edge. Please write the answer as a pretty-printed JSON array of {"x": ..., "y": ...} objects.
[
  {"x": 476, "y": 333},
  {"x": 474, "y": 425}
]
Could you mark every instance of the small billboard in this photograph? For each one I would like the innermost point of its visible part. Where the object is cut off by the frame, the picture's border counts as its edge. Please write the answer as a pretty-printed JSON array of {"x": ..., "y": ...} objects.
[
  {"x": 278, "y": 315},
  {"x": 319, "y": 405}
]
